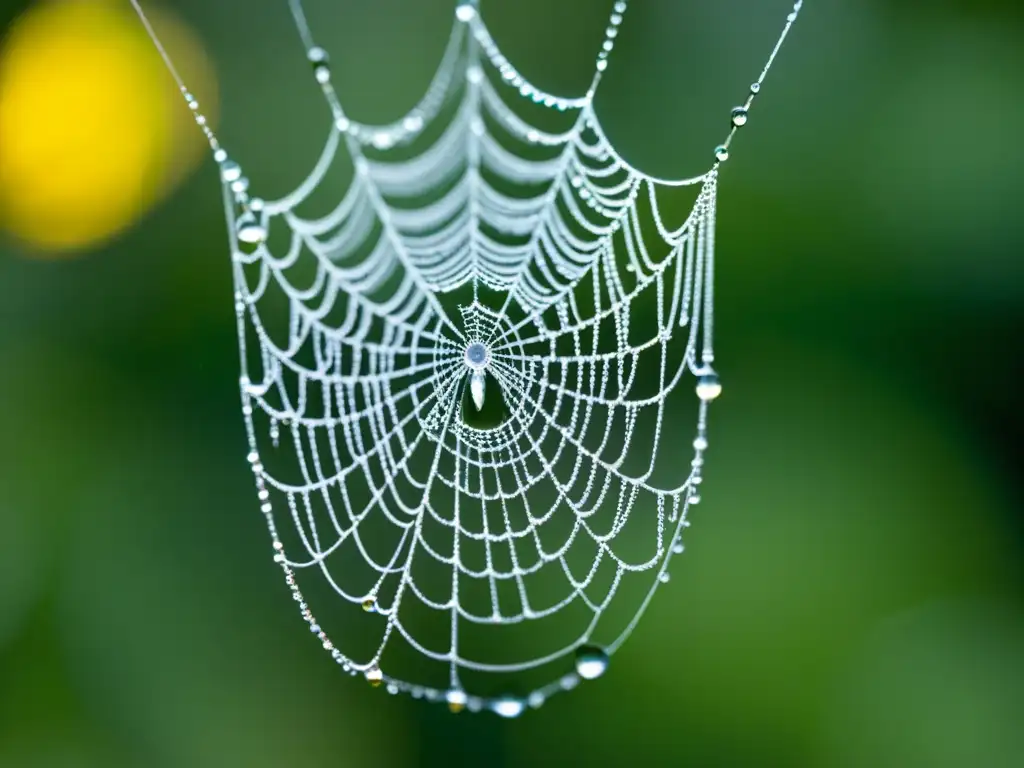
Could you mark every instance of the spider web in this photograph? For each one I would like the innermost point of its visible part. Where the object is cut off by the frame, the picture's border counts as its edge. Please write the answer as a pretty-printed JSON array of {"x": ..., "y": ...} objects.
[{"x": 462, "y": 428}]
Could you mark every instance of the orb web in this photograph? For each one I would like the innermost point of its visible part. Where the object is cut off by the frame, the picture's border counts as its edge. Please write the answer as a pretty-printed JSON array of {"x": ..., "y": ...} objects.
[{"x": 460, "y": 379}]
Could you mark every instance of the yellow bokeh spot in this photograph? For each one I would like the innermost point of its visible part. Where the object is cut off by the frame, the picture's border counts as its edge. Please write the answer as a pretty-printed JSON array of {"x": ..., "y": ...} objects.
[{"x": 92, "y": 128}]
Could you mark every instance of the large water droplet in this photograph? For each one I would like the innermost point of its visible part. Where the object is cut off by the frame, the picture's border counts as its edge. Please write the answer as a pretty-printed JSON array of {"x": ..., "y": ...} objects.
[
  {"x": 708, "y": 387},
  {"x": 374, "y": 676},
  {"x": 739, "y": 116},
  {"x": 483, "y": 402},
  {"x": 230, "y": 171},
  {"x": 456, "y": 700},
  {"x": 465, "y": 11},
  {"x": 591, "y": 662},
  {"x": 476, "y": 389},
  {"x": 508, "y": 706},
  {"x": 721, "y": 153},
  {"x": 249, "y": 230}
]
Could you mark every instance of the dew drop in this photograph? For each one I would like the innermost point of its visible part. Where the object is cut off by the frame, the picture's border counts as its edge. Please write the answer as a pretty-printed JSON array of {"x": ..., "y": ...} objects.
[
  {"x": 412, "y": 123},
  {"x": 739, "y": 116},
  {"x": 230, "y": 171},
  {"x": 374, "y": 676},
  {"x": 755, "y": 87},
  {"x": 483, "y": 402},
  {"x": 476, "y": 389},
  {"x": 508, "y": 706},
  {"x": 700, "y": 443},
  {"x": 321, "y": 68},
  {"x": 678, "y": 548},
  {"x": 721, "y": 153},
  {"x": 456, "y": 700},
  {"x": 249, "y": 230},
  {"x": 465, "y": 12},
  {"x": 591, "y": 662},
  {"x": 370, "y": 604},
  {"x": 708, "y": 387},
  {"x": 664, "y": 577},
  {"x": 536, "y": 699}
]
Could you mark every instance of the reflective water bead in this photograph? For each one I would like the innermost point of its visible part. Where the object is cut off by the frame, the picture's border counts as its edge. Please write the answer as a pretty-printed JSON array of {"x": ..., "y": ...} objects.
[
  {"x": 721, "y": 153},
  {"x": 412, "y": 123},
  {"x": 456, "y": 700},
  {"x": 249, "y": 230},
  {"x": 739, "y": 116},
  {"x": 230, "y": 171},
  {"x": 591, "y": 662},
  {"x": 477, "y": 389},
  {"x": 620, "y": 7},
  {"x": 700, "y": 443},
  {"x": 755, "y": 87},
  {"x": 220, "y": 156},
  {"x": 465, "y": 12},
  {"x": 664, "y": 577},
  {"x": 570, "y": 681},
  {"x": 474, "y": 74},
  {"x": 374, "y": 676},
  {"x": 508, "y": 706},
  {"x": 342, "y": 124},
  {"x": 602, "y": 65},
  {"x": 370, "y": 604},
  {"x": 708, "y": 387},
  {"x": 678, "y": 548},
  {"x": 535, "y": 699},
  {"x": 321, "y": 68}
]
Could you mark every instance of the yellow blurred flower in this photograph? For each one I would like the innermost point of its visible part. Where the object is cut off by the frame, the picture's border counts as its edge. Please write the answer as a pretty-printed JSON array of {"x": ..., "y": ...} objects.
[{"x": 92, "y": 129}]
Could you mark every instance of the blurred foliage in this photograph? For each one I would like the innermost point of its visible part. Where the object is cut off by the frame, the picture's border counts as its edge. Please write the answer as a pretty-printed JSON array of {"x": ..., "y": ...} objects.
[
  {"x": 92, "y": 127},
  {"x": 851, "y": 592}
]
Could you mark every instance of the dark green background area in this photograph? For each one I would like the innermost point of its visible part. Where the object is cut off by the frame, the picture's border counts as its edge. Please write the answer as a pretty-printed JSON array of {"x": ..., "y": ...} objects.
[{"x": 851, "y": 595}]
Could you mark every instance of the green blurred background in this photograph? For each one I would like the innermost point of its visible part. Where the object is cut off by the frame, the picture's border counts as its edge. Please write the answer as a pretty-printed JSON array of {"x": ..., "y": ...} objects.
[{"x": 851, "y": 594}]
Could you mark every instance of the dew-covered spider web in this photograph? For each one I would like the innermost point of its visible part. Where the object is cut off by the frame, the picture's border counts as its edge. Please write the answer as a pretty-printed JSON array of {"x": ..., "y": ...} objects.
[{"x": 466, "y": 340}]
